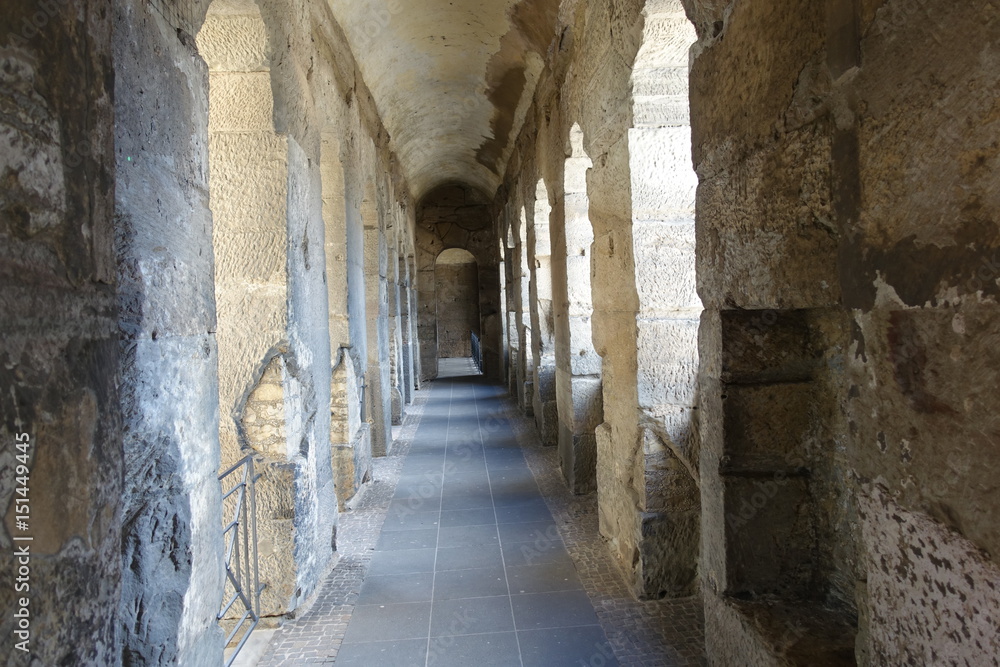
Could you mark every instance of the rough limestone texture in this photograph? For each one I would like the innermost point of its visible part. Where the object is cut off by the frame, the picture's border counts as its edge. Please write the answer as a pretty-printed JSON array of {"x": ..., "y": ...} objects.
[
  {"x": 173, "y": 548},
  {"x": 350, "y": 439},
  {"x": 60, "y": 358},
  {"x": 846, "y": 243}
]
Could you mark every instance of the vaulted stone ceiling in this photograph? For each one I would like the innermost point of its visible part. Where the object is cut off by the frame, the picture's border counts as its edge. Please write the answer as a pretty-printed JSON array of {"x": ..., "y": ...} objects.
[{"x": 452, "y": 79}]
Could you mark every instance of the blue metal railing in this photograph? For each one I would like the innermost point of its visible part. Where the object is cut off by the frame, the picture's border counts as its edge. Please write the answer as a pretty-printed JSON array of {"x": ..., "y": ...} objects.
[{"x": 477, "y": 351}]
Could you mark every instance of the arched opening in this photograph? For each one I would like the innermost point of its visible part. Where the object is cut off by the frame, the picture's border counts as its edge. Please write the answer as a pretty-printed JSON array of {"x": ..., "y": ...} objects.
[
  {"x": 450, "y": 217},
  {"x": 663, "y": 188},
  {"x": 456, "y": 288},
  {"x": 260, "y": 392}
]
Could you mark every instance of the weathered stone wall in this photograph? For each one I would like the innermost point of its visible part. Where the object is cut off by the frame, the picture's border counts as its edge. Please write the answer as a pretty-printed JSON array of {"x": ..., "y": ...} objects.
[
  {"x": 846, "y": 235},
  {"x": 61, "y": 359},
  {"x": 457, "y": 294},
  {"x": 456, "y": 217}
]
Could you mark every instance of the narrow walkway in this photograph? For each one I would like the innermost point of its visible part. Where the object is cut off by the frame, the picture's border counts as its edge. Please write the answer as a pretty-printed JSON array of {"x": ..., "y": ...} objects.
[{"x": 469, "y": 567}]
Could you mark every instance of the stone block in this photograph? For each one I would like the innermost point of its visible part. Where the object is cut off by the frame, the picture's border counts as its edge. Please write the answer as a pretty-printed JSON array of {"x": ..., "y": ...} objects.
[
  {"x": 770, "y": 537},
  {"x": 771, "y": 422},
  {"x": 668, "y": 362},
  {"x": 668, "y": 554},
  {"x": 241, "y": 102},
  {"x": 578, "y": 460},
  {"x": 657, "y": 155},
  {"x": 580, "y": 298},
  {"x": 665, "y": 261}
]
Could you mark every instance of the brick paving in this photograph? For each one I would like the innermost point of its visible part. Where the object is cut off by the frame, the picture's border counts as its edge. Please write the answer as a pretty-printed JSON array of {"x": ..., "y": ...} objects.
[{"x": 661, "y": 633}]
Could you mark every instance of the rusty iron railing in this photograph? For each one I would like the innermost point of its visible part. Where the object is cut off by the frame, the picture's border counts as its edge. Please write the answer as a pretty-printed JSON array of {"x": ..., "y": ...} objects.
[{"x": 242, "y": 586}]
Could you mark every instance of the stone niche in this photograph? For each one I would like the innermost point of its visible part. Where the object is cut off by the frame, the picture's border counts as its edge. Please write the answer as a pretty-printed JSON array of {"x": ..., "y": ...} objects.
[
  {"x": 350, "y": 438},
  {"x": 775, "y": 471},
  {"x": 266, "y": 422}
]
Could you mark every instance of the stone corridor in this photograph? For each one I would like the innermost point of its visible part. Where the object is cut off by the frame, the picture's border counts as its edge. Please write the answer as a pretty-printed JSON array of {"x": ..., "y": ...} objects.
[
  {"x": 464, "y": 552},
  {"x": 730, "y": 270}
]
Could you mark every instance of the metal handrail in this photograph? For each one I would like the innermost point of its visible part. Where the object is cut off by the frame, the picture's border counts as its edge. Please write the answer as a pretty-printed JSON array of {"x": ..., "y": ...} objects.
[
  {"x": 477, "y": 351},
  {"x": 241, "y": 557}
]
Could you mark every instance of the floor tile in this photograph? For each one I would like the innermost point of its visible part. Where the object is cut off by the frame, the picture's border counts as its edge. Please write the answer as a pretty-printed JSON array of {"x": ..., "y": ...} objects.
[
  {"x": 471, "y": 616},
  {"x": 526, "y": 512},
  {"x": 469, "y": 517},
  {"x": 393, "y": 540},
  {"x": 371, "y": 623},
  {"x": 490, "y": 650},
  {"x": 405, "y": 653},
  {"x": 465, "y": 558},
  {"x": 553, "y": 610},
  {"x": 407, "y": 520},
  {"x": 566, "y": 647},
  {"x": 405, "y": 561},
  {"x": 474, "y": 583},
  {"x": 463, "y": 502},
  {"x": 467, "y": 536},
  {"x": 391, "y": 588}
]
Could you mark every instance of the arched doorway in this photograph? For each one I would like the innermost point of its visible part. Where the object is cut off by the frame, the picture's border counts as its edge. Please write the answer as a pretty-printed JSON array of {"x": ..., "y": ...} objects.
[{"x": 456, "y": 283}]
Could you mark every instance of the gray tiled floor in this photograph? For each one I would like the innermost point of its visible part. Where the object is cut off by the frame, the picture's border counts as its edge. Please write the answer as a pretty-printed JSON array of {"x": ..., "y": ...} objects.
[
  {"x": 443, "y": 540},
  {"x": 469, "y": 565}
]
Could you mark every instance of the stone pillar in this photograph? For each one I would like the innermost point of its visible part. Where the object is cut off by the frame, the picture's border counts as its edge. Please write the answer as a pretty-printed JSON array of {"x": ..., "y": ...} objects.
[
  {"x": 406, "y": 336},
  {"x": 350, "y": 440},
  {"x": 428, "y": 248},
  {"x": 543, "y": 362},
  {"x": 578, "y": 367},
  {"x": 394, "y": 323},
  {"x": 309, "y": 348},
  {"x": 415, "y": 346},
  {"x": 522, "y": 317},
  {"x": 378, "y": 389},
  {"x": 648, "y": 497}
]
